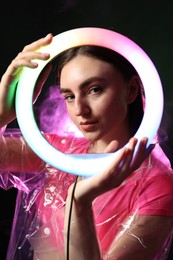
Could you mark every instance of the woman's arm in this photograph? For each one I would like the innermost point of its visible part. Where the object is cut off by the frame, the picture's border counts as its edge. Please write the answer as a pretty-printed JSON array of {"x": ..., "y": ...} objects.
[
  {"x": 17, "y": 156},
  {"x": 83, "y": 239},
  {"x": 143, "y": 239}
]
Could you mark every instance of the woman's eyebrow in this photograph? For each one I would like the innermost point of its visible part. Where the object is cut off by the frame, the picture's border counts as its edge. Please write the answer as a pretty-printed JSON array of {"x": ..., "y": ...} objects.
[{"x": 84, "y": 83}]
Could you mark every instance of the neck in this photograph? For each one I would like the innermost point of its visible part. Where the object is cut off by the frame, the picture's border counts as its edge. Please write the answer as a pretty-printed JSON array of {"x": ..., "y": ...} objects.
[{"x": 101, "y": 145}]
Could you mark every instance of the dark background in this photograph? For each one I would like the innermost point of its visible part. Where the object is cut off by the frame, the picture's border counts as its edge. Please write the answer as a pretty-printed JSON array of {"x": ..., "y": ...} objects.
[{"x": 148, "y": 23}]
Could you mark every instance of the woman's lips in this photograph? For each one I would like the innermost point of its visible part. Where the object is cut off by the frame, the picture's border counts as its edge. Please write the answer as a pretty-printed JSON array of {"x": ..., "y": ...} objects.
[{"x": 88, "y": 125}]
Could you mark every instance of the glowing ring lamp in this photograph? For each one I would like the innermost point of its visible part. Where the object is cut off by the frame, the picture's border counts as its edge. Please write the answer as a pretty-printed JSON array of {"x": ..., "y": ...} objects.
[{"x": 88, "y": 164}]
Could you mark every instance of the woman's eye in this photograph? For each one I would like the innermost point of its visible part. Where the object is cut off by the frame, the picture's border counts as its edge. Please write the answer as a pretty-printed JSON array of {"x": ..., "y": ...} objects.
[
  {"x": 96, "y": 90},
  {"x": 69, "y": 98}
]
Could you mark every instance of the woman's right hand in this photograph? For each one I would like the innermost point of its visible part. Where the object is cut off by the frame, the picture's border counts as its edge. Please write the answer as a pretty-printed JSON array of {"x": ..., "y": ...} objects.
[
  {"x": 122, "y": 167},
  {"x": 9, "y": 80}
]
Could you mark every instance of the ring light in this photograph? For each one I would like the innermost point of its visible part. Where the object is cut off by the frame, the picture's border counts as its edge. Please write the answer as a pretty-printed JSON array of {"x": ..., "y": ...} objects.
[{"x": 88, "y": 164}]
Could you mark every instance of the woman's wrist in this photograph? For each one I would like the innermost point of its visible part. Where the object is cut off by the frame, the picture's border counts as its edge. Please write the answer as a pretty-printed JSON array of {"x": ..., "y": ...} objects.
[
  {"x": 80, "y": 206},
  {"x": 83, "y": 239}
]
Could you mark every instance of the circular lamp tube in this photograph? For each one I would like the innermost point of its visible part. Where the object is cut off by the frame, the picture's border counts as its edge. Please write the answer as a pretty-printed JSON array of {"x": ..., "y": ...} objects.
[{"x": 88, "y": 164}]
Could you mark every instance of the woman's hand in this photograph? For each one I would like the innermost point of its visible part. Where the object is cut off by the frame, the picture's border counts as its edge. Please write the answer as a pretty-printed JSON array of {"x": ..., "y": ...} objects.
[
  {"x": 9, "y": 80},
  {"x": 123, "y": 165}
]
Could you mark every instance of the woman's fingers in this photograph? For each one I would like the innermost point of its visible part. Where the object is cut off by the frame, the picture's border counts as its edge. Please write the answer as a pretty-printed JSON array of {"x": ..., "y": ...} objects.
[
  {"x": 112, "y": 147},
  {"x": 41, "y": 80},
  {"x": 27, "y": 57},
  {"x": 141, "y": 153},
  {"x": 39, "y": 43},
  {"x": 128, "y": 161},
  {"x": 118, "y": 170},
  {"x": 124, "y": 169}
]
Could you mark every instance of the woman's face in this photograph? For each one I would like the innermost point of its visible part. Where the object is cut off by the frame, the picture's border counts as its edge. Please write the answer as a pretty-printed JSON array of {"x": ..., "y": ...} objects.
[{"x": 96, "y": 97}]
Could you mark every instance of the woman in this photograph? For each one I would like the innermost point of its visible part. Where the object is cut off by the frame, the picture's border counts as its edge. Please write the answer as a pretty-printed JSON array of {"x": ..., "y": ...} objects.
[{"x": 123, "y": 212}]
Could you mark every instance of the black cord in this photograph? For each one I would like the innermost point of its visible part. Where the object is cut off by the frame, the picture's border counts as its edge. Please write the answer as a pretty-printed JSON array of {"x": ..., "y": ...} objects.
[{"x": 69, "y": 221}]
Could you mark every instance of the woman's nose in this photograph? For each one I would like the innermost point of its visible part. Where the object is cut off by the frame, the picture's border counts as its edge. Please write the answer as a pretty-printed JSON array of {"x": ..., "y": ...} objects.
[{"x": 81, "y": 107}]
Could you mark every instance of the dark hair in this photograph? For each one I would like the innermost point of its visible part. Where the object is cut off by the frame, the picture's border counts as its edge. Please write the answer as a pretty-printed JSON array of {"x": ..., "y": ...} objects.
[{"x": 135, "y": 110}]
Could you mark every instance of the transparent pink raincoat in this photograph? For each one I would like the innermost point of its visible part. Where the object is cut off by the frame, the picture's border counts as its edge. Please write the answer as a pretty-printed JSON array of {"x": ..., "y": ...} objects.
[
  {"x": 39, "y": 215},
  {"x": 38, "y": 225}
]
